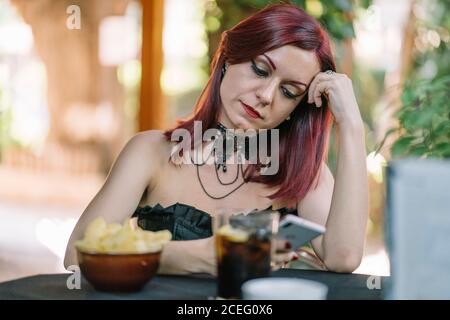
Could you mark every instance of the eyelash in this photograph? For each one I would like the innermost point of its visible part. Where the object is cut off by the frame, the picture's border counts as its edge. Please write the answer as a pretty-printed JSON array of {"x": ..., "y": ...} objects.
[{"x": 263, "y": 74}]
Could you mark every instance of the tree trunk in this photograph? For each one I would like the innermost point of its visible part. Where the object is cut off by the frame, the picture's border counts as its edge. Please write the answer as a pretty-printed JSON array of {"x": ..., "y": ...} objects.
[{"x": 80, "y": 91}]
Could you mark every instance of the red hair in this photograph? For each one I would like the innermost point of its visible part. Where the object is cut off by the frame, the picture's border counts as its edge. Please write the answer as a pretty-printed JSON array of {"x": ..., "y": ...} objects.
[{"x": 304, "y": 138}]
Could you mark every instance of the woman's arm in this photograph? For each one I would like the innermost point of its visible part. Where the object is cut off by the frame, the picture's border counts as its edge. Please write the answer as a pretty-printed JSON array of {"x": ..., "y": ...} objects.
[
  {"x": 135, "y": 167},
  {"x": 344, "y": 242},
  {"x": 122, "y": 190},
  {"x": 191, "y": 256},
  {"x": 341, "y": 206}
]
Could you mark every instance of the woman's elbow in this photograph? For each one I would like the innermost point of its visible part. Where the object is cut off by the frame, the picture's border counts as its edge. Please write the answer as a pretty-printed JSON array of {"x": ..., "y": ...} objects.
[
  {"x": 69, "y": 258},
  {"x": 343, "y": 260}
]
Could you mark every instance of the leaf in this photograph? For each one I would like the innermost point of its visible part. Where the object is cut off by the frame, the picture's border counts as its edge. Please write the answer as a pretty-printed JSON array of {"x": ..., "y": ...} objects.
[
  {"x": 407, "y": 97},
  {"x": 410, "y": 120},
  {"x": 402, "y": 145},
  {"x": 424, "y": 119},
  {"x": 418, "y": 151},
  {"x": 442, "y": 128},
  {"x": 442, "y": 149}
]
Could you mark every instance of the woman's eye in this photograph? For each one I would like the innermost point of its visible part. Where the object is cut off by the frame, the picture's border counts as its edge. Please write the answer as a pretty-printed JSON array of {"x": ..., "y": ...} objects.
[
  {"x": 289, "y": 94},
  {"x": 261, "y": 73},
  {"x": 258, "y": 71}
]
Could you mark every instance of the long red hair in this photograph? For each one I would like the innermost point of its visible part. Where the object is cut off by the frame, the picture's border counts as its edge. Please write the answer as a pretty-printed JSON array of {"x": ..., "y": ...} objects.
[{"x": 304, "y": 138}]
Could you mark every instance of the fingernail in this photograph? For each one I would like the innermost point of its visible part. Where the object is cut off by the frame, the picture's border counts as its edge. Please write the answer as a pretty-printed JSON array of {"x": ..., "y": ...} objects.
[
  {"x": 295, "y": 257},
  {"x": 287, "y": 245}
]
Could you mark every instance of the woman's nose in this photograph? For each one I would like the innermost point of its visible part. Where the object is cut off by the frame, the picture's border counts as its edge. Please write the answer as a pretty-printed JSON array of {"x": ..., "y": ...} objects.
[{"x": 267, "y": 92}]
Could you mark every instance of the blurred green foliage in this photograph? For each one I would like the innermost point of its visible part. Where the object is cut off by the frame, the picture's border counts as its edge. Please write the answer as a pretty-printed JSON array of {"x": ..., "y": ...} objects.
[
  {"x": 424, "y": 115},
  {"x": 334, "y": 15},
  {"x": 424, "y": 119}
]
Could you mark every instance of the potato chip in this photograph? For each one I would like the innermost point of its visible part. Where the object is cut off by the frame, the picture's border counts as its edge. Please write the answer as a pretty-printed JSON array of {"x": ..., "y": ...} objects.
[
  {"x": 127, "y": 238},
  {"x": 95, "y": 230}
]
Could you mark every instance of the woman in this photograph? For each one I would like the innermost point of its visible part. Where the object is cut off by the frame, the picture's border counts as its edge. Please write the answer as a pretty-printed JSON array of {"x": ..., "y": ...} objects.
[{"x": 274, "y": 70}]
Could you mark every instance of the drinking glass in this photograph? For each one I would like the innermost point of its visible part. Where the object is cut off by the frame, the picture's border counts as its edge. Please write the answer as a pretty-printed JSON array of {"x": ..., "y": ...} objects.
[{"x": 243, "y": 247}]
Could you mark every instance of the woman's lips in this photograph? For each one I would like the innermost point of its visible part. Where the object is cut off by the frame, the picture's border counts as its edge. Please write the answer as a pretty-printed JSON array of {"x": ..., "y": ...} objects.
[{"x": 251, "y": 112}]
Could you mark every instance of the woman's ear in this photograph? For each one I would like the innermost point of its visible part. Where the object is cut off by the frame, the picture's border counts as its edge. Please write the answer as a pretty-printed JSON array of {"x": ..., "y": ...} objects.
[{"x": 224, "y": 68}]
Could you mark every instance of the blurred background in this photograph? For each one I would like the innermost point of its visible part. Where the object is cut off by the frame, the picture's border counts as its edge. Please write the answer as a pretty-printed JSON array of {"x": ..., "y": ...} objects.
[{"x": 78, "y": 78}]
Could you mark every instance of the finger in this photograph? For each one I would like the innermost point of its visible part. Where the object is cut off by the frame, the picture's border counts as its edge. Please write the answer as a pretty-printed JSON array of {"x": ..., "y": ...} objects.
[
  {"x": 312, "y": 86},
  {"x": 322, "y": 76},
  {"x": 282, "y": 244},
  {"x": 285, "y": 257},
  {"x": 322, "y": 87}
]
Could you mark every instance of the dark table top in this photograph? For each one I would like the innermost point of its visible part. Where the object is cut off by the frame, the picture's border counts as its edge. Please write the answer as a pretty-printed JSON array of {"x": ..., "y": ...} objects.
[{"x": 198, "y": 287}]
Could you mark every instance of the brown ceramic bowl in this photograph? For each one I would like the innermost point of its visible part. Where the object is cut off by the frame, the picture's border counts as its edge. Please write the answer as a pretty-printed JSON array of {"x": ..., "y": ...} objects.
[{"x": 118, "y": 272}]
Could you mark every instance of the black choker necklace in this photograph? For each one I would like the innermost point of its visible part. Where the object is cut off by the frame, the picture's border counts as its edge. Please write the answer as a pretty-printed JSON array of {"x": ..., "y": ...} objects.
[
  {"x": 230, "y": 145},
  {"x": 221, "y": 154}
]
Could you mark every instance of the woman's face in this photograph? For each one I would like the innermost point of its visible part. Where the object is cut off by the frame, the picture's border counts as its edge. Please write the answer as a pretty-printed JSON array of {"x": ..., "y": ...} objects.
[{"x": 271, "y": 84}]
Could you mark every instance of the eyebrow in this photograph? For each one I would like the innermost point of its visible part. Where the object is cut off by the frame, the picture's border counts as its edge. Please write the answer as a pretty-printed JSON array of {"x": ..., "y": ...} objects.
[{"x": 275, "y": 68}]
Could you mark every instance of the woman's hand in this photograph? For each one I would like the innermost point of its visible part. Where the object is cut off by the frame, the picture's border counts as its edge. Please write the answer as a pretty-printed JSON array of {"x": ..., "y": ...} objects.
[
  {"x": 338, "y": 90},
  {"x": 283, "y": 253}
]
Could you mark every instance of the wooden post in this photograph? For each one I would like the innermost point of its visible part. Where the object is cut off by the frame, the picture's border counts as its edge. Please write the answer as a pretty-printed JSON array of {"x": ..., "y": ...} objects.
[
  {"x": 407, "y": 57},
  {"x": 347, "y": 61},
  {"x": 151, "y": 113}
]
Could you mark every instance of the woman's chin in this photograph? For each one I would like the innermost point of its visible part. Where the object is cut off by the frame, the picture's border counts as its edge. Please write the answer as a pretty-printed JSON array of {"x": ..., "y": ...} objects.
[{"x": 242, "y": 122}]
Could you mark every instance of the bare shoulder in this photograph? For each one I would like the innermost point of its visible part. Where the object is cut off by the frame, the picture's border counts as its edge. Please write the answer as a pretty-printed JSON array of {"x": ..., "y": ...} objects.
[
  {"x": 149, "y": 139},
  {"x": 144, "y": 153},
  {"x": 150, "y": 145}
]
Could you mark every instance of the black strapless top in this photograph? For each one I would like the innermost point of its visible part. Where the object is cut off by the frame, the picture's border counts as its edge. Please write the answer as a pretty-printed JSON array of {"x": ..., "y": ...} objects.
[{"x": 183, "y": 221}]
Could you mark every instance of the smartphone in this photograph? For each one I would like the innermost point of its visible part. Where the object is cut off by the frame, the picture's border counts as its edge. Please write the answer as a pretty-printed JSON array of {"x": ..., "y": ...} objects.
[{"x": 298, "y": 231}]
